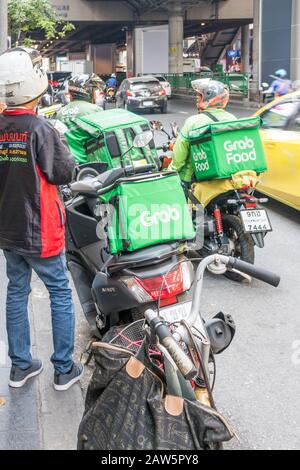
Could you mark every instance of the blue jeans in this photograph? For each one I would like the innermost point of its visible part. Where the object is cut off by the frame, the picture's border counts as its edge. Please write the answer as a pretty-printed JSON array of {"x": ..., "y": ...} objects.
[{"x": 53, "y": 273}]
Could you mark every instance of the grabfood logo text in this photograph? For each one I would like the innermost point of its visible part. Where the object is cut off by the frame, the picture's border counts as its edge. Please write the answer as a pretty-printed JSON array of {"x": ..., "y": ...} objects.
[
  {"x": 240, "y": 151},
  {"x": 201, "y": 161}
]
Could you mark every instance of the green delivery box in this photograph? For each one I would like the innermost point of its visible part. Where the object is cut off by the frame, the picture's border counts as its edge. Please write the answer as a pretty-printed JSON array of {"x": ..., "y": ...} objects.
[
  {"x": 221, "y": 149},
  {"x": 147, "y": 210},
  {"x": 105, "y": 136}
]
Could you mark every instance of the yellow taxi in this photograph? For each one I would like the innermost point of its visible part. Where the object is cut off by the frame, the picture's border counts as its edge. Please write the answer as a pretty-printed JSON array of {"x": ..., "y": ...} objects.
[{"x": 281, "y": 138}]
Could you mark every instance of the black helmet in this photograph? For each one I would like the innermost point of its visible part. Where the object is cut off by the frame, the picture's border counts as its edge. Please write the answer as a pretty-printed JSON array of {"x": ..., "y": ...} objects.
[{"x": 83, "y": 87}]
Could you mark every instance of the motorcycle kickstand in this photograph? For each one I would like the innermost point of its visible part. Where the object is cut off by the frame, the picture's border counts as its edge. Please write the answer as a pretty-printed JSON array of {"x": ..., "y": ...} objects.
[{"x": 87, "y": 354}]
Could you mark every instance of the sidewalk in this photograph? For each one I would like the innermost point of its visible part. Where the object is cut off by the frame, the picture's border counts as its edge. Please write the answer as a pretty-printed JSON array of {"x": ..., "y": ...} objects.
[
  {"x": 235, "y": 101},
  {"x": 37, "y": 417}
]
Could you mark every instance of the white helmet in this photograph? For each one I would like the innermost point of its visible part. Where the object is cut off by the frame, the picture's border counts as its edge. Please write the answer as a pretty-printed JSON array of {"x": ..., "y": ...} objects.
[{"x": 22, "y": 78}]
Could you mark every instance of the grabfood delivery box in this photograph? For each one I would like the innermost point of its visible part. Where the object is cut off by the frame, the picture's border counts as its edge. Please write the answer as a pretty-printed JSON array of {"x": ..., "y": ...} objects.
[{"x": 221, "y": 149}]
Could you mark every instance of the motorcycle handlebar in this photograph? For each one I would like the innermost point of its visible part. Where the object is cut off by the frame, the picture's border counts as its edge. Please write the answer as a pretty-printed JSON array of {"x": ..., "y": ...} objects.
[
  {"x": 166, "y": 338},
  {"x": 254, "y": 271}
]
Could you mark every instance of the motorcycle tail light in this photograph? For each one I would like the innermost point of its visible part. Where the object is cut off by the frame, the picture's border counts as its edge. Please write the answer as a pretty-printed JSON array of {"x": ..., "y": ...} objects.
[
  {"x": 130, "y": 93},
  {"x": 164, "y": 287},
  {"x": 137, "y": 290},
  {"x": 251, "y": 204},
  {"x": 162, "y": 92}
]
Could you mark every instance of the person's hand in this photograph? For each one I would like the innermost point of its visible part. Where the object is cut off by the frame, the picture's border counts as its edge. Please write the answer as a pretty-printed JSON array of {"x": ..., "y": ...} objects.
[{"x": 2, "y": 107}]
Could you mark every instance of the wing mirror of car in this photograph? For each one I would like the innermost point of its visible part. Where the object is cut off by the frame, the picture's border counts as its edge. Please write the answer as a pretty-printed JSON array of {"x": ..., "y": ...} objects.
[
  {"x": 142, "y": 140},
  {"x": 297, "y": 122}
]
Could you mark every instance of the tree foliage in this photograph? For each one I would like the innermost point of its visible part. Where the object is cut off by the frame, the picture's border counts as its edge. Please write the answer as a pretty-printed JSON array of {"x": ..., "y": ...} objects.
[{"x": 26, "y": 16}]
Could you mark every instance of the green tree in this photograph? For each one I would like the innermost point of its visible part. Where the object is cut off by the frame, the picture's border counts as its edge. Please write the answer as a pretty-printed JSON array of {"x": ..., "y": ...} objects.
[{"x": 26, "y": 16}]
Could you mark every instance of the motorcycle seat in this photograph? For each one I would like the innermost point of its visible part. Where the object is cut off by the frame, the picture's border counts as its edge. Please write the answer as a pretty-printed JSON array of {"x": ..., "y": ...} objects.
[
  {"x": 90, "y": 186},
  {"x": 144, "y": 257}
]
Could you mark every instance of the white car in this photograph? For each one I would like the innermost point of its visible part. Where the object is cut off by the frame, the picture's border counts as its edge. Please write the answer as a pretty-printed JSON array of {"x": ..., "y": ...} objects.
[{"x": 165, "y": 84}]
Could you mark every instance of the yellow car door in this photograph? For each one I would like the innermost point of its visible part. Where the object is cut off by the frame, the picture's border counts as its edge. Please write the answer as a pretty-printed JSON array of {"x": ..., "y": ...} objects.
[
  {"x": 282, "y": 181},
  {"x": 281, "y": 138}
]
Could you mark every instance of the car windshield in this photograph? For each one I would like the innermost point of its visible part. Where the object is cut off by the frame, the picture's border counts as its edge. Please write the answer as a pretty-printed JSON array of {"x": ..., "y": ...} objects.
[
  {"x": 279, "y": 116},
  {"x": 142, "y": 85}
]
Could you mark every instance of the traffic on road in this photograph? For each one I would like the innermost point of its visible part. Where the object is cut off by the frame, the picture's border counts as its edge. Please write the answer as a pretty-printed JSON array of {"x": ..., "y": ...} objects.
[{"x": 177, "y": 220}]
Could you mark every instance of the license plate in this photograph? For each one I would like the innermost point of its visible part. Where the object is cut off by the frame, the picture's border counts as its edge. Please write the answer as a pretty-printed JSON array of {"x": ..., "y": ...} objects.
[
  {"x": 148, "y": 103},
  {"x": 176, "y": 312},
  {"x": 256, "y": 220}
]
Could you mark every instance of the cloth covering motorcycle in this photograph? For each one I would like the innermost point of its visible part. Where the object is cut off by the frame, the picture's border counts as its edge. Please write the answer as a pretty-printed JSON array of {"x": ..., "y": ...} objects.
[{"x": 133, "y": 405}]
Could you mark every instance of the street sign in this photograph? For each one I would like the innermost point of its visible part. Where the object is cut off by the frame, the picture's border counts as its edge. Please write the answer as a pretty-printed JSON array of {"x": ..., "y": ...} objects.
[{"x": 234, "y": 54}]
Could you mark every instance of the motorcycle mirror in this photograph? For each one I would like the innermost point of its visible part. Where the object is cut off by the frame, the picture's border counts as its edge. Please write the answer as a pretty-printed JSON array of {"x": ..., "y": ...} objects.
[
  {"x": 175, "y": 129},
  {"x": 142, "y": 140},
  {"x": 157, "y": 125}
]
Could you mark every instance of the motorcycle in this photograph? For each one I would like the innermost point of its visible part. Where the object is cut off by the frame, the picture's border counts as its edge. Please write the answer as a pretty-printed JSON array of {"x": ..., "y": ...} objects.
[
  {"x": 110, "y": 96},
  {"x": 53, "y": 101},
  {"x": 234, "y": 221},
  {"x": 116, "y": 289},
  {"x": 180, "y": 356}
]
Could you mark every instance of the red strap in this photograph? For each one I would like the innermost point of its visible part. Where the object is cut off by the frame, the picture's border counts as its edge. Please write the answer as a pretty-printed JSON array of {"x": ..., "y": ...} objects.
[{"x": 18, "y": 112}]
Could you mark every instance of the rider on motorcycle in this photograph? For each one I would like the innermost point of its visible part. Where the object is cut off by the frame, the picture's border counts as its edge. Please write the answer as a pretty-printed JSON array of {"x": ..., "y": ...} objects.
[
  {"x": 212, "y": 98},
  {"x": 281, "y": 85},
  {"x": 84, "y": 91},
  {"x": 112, "y": 81}
]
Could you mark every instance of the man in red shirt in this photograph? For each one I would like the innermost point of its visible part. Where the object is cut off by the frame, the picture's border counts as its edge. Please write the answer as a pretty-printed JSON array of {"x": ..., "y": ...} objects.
[{"x": 33, "y": 161}]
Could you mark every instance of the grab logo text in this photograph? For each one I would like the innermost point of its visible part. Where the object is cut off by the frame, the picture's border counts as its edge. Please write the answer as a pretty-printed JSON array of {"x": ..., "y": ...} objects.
[
  {"x": 240, "y": 151},
  {"x": 163, "y": 216}
]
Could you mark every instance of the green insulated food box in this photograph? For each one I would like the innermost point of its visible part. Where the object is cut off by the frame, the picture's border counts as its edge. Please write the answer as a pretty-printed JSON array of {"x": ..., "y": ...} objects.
[
  {"x": 147, "y": 210},
  {"x": 105, "y": 136},
  {"x": 221, "y": 149}
]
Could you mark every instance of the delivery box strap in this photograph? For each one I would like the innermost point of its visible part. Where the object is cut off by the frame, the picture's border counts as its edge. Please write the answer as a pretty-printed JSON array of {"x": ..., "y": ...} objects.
[
  {"x": 211, "y": 116},
  {"x": 202, "y": 140}
]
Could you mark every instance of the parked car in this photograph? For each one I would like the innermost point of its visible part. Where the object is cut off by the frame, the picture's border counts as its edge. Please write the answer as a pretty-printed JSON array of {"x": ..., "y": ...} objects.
[
  {"x": 281, "y": 138},
  {"x": 139, "y": 93},
  {"x": 165, "y": 84},
  {"x": 58, "y": 79}
]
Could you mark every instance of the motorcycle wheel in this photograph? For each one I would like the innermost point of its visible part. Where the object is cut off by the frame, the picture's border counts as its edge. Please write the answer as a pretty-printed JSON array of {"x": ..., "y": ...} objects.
[{"x": 243, "y": 243}]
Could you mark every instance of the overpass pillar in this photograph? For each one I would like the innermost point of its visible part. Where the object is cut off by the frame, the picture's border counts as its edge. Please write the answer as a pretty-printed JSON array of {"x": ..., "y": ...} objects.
[
  {"x": 257, "y": 28},
  {"x": 246, "y": 49},
  {"x": 130, "y": 53},
  {"x": 295, "y": 55},
  {"x": 176, "y": 30}
]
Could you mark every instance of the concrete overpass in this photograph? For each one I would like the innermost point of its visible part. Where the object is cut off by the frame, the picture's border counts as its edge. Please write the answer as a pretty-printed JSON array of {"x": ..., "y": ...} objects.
[{"x": 106, "y": 22}]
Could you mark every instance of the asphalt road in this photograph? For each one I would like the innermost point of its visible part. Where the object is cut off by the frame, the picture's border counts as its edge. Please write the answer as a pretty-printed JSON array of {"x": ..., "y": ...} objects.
[{"x": 258, "y": 384}]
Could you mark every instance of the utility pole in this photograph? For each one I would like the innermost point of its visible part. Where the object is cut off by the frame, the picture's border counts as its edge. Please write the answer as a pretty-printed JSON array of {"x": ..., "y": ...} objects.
[{"x": 3, "y": 26}]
